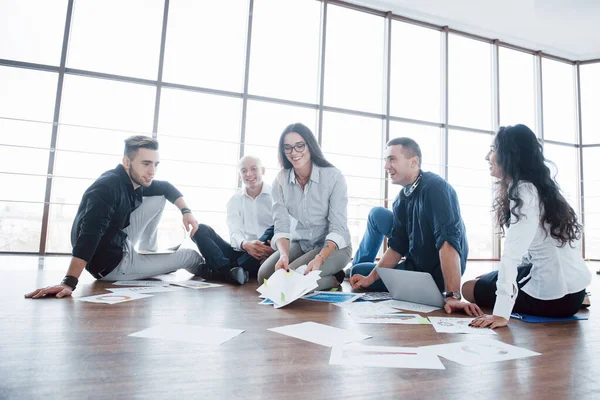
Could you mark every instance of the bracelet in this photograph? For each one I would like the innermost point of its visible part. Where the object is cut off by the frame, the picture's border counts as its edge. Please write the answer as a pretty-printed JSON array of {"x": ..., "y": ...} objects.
[
  {"x": 319, "y": 255},
  {"x": 70, "y": 281},
  {"x": 185, "y": 211}
]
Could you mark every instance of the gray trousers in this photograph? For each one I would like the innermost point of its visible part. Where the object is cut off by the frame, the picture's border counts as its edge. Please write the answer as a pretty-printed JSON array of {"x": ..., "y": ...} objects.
[
  {"x": 143, "y": 229},
  {"x": 334, "y": 263}
]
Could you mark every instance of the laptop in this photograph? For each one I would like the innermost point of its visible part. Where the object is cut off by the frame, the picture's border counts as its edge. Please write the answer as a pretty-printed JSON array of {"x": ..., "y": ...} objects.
[{"x": 416, "y": 287}]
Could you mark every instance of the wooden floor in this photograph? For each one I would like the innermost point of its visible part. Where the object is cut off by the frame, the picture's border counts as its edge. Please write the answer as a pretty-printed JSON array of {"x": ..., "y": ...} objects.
[{"x": 61, "y": 348}]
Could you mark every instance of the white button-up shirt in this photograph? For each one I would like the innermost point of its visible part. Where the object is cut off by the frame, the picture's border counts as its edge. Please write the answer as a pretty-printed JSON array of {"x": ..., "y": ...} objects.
[
  {"x": 318, "y": 213},
  {"x": 248, "y": 218},
  {"x": 556, "y": 271}
]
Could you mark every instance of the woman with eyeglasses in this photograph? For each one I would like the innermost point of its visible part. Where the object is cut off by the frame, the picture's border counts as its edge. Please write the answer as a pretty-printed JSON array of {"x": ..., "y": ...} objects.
[
  {"x": 310, "y": 206},
  {"x": 541, "y": 271}
]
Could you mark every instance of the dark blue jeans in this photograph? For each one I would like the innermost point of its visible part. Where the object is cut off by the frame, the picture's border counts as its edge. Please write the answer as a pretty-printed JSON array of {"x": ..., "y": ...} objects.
[{"x": 218, "y": 253}]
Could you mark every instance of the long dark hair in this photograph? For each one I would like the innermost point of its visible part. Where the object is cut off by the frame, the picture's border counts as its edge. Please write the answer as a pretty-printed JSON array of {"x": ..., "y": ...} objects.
[
  {"x": 520, "y": 155},
  {"x": 316, "y": 154}
]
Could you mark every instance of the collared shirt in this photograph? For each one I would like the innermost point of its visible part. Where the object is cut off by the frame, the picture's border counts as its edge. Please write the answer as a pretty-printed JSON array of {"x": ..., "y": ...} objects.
[
  {"x": 425, "y": 220},
  {"x": 556, "y": 271},
  {"x": 318, "y": 213},
  {"x": 248, "y": 218},
  {"x": 97, "y": 233}
]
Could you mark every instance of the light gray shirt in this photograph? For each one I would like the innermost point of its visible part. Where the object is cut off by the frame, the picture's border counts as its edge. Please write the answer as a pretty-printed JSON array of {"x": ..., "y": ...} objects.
[{"x": 315, "y": 214}]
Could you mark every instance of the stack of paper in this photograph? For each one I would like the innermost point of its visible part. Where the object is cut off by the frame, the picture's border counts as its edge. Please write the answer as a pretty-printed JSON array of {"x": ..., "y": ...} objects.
[{"x": 283, "y": 287}]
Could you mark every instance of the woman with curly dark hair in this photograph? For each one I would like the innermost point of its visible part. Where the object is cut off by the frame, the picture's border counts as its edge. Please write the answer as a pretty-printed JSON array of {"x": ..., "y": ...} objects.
[{"x": 541, "y": 271}]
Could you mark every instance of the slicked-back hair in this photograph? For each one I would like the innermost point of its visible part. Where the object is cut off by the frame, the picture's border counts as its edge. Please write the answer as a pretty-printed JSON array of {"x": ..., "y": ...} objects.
[
  {"x": 134, "y": 143},
  {"x": 316, "y": 154},
  {"x": 409, "y": 146}
]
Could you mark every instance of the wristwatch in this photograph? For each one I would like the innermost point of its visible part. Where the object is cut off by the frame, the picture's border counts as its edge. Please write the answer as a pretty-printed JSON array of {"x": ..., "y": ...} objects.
[{"x": 455, "y": 295}]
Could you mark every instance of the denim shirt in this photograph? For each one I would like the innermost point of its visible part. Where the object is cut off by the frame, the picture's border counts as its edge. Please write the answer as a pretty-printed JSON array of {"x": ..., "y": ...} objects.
[
  {"x": 315, "y": 214},
  {"x": 425, "y": 220}
]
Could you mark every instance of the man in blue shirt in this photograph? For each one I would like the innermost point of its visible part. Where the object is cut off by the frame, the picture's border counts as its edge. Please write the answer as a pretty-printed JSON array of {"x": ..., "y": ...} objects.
[{"x": 426, "y": 228}]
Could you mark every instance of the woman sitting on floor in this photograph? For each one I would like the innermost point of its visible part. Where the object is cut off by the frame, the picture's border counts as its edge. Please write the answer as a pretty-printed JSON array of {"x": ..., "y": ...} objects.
[
  {"x": 314, "y": 194},
  {"x": 542, "y": 271}
]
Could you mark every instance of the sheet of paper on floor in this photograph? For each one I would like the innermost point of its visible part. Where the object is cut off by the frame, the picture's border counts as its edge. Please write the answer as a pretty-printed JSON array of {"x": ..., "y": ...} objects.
[
  {"x": 333, "y": 297},
  {"x": 458, "y": 325},
  {"x": 189, "y": 333},
  {"x": 405, "y": 319},
  {"x": 195, "y": 284},
  {"x": 406, "y": 305},
  {"x": 113, "y": 298},
  {"x": 383, "y": 356},
  {"x": 284, "y": 287},
  {"x": 324, "y": 335},
  {"x": 479, "y": 351},
  {"x": 144, "y": 289},
  {"x": 368, "y": 308},
  {"x": 141, "y": 283}
]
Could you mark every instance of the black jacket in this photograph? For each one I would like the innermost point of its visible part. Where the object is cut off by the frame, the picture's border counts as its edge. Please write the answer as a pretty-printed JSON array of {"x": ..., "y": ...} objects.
[{"x": 97, "y": 234}]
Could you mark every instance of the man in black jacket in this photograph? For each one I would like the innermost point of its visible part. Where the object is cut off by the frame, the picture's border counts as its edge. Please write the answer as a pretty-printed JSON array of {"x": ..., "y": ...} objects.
[{"x": 121, "y": 208}]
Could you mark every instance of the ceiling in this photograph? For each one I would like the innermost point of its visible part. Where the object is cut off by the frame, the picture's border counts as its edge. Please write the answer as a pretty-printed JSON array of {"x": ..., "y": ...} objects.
[{"x": 563, "y": 28}]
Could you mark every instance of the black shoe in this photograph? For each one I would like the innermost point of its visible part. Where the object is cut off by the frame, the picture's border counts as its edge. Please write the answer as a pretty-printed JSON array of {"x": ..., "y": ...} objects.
[
  {"x": 339, "y": 276},
  {"x": 206, "y": 272},
  {"x": 238, "y": 275}
]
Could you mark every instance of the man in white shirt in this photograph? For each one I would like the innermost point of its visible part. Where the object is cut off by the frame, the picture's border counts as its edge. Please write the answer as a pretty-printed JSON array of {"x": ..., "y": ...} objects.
[{"x": 250, "y": 224}]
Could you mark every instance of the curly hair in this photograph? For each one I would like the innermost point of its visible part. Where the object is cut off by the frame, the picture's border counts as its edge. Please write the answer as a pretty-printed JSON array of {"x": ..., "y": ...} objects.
[{"x": 521, "y": 157}]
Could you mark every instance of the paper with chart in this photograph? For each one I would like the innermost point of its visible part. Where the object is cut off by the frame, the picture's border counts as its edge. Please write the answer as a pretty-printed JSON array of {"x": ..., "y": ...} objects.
[
  {"x": 333, "y": 297},
  {"x": 141, "y": 283},
  {"x": 401, "y": 318},
  {"x": 458, "y": 325},
  {"x": 407, "y": 305},
  {"x": 479, "y": 351},
  {"x": 189, "y": 333},
  {"x": 144, "y": 289},
  {"x": 195, "y": 284},
  {"x": 113, "y": 298},
  {"x": 283, "y": 287},
  {"x": 383, "y": 356},
  {"x": 360, "y": 308},
  {"x": 324, "y": 335}
]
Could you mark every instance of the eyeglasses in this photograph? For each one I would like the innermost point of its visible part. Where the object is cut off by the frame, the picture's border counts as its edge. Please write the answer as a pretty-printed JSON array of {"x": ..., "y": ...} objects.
[{"x": 299, "y": 147}]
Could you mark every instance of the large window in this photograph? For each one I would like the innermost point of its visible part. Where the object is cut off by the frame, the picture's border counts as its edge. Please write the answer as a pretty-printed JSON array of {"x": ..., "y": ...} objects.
[
  {"x": 591, "y": 164},
  {"x": 517, "y": 88},
  {"x": 559, "y": 101},
  {"x": 285, "y": 65},
  {"x": 564, "y": 167},
  {"x": 469, "y": 174},
  {"x": 26, "y": 112},
  {"x": 355, "y": 146},
  {"x": 206, "y": 43},
  {"x": 415, "y": 72},
  {"x": 120, "y": 37},
  {"x": 590, "y": 103},
  {"x": 354, "y": 60},
  {"x": 22, "y": 39},
  {"x": 469, "y": 83},
  {"x": 234, "y": 77}
]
